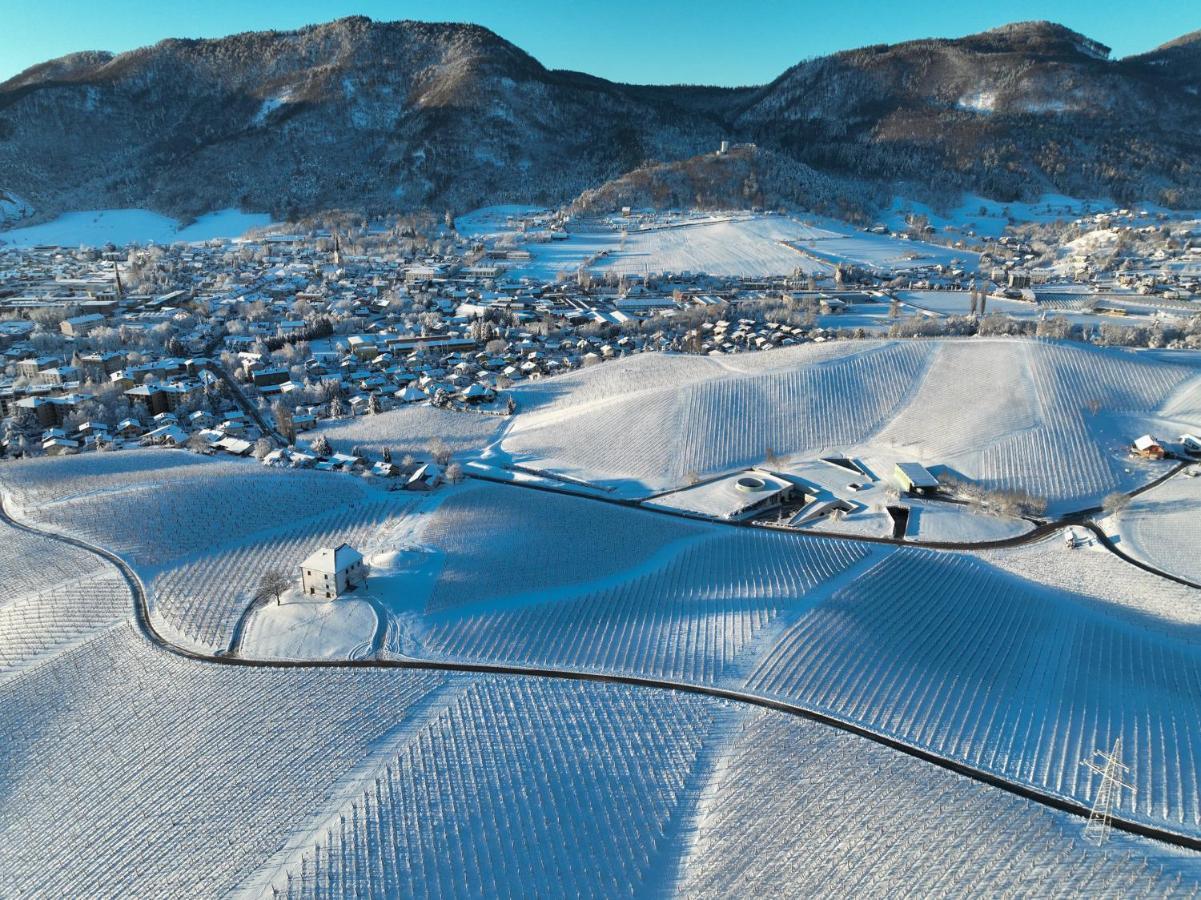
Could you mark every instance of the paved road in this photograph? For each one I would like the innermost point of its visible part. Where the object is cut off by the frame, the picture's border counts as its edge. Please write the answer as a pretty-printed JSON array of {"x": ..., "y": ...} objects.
[
  {"x": 243, "y": 401},
  {"x": 1053, "y": 801},
  {"x": 1041, "y": 529}
]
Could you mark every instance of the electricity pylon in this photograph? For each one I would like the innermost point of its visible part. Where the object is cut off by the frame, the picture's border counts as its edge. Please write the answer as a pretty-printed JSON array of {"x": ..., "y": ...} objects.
[{"x": 1109, "y": 792}]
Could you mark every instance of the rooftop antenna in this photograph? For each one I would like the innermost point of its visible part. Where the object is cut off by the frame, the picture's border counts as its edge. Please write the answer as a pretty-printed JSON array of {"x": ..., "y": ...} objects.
[{"x": 1109, "y": 791}]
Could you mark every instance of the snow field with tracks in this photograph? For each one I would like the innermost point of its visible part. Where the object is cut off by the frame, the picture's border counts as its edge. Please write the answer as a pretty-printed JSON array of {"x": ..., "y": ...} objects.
[
  {"x": 180, "y": 777},
  {"x": 948, "y": 654},
  {"x": 692, "y": 617},
  {"x": 796, "y": 808},
  {"x": 521, "y": 787}
]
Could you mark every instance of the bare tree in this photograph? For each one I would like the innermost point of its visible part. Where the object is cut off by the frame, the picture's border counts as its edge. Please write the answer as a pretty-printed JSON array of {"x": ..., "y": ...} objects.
[
  {"x": 440, "y": 451},
  {"x": 273, "y": 584},
  {"x": 1115, "y": 502},
  {"x": 454, "y": 473}
]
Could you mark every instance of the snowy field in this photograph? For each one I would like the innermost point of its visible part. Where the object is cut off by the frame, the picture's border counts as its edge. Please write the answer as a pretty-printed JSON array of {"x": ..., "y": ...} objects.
[
  {"x": 1116, "y": 586},
  {"x": 189, "y": 778},
  {"x": 497, "y": 542},
  {"x": 947, "y": 653},
  {"x": 1048, "y": 418},
  {"x": 168, "y": 514},
  {"x": 51, "y": 607},
  {"x": 410, "y": 429},
  {"x": 181, "y": 778},
  {"x": 989, "y": 218},
  {"x": 633, "y": 592},
  {"x": 303, "y": 629},
  {"x": 97, "y": 227},
  {"x": 742, "y": 245},
  {"x": 1163, "y": 527},
  {"x": 826, "y": 801},
  {"x": 492, "y": 221},
  {"x": 197, "y": 601}
]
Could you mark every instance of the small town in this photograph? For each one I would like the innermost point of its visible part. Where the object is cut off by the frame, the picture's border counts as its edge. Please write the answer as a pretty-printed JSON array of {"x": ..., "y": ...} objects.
[{"x": 241, "y": 346}]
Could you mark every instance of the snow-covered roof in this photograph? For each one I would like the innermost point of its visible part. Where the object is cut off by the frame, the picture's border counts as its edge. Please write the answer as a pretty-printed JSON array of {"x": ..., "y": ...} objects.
[
  {"x": 726, "y": 498},
  {"x": 917, "y": 474},
  {"x": 329, "y": 561}
]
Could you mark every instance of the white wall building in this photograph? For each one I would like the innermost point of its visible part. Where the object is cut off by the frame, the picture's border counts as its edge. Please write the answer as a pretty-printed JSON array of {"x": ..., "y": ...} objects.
[{"x": 328, "y": 573}]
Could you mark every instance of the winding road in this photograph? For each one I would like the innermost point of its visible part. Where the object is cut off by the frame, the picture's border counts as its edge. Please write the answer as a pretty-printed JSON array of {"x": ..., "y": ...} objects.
[{"x": 1054, "y": 801}]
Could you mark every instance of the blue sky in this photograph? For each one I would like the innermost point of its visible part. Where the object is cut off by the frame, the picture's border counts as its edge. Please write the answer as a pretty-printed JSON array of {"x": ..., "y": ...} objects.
[{"x": 669, "y": 41}]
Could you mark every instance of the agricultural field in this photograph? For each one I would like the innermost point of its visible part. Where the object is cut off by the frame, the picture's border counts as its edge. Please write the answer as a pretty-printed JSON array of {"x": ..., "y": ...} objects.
[
  {"x": 1163, "y": 527},
  {"x": 168, "y": 508},
  {"x": 182, "y": 777},
  {"x": 410, "y": 429},
  {"x": 1050, "y": 419},
  {"x": 1114, "y": 585},
  {"x": 696, "y": 614},
  {"x": 730, "y": 245},
  {"x": 37, "y": 626},
  {"x": 824, "y": 801},
  {"x": 497, "y": 543},
  {"x": 652, "y": 439},
  {"x": 199, "y": 600},
  {"x": 55, "y": 563},
  {"x": 232, "y": 775},
  {"x": 947, "y": 653},
  {"x": 521, "y": 787},
  {"x": 41, "y": 480}
]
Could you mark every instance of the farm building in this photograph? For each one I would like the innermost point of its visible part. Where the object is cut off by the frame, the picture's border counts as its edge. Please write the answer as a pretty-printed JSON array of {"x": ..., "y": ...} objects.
[
  {"x": 426, "y": 478},
  {"x": 330, "y": 572},
  {"x": 914, "y": 478},
  {"x": 1147, "y": 447}
]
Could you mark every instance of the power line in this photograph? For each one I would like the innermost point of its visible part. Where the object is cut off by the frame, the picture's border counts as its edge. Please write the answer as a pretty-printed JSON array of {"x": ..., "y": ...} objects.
[{"x": 1109, "y": 792}]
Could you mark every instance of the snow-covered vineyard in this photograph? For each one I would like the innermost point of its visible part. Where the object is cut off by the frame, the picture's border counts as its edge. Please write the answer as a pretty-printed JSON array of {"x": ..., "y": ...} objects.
[
  {"x": 1052, "y": 419},
  {"x": 950, "y": 691}
]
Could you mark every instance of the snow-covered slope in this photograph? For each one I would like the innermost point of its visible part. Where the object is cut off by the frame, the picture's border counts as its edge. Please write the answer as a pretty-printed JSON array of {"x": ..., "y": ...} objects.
[
  {"x": 947, "y": 653},
  {"x": 1051, "y": 419}
]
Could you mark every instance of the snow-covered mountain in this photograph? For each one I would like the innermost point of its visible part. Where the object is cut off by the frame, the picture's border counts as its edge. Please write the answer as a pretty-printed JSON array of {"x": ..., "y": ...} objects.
[{"x": 374, "y": 116}]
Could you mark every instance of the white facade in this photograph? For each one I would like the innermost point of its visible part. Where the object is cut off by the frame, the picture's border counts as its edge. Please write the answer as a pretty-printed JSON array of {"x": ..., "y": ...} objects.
[{"x": 330, "y": 572}]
